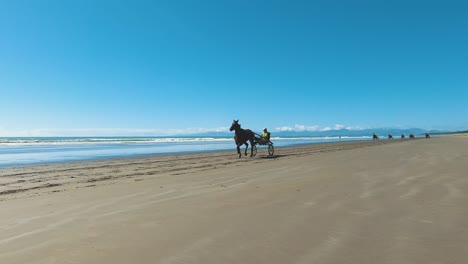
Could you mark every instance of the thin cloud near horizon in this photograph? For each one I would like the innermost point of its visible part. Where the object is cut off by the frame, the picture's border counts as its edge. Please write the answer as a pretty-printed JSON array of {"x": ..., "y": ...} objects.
[{"x": 301, "y": 128}]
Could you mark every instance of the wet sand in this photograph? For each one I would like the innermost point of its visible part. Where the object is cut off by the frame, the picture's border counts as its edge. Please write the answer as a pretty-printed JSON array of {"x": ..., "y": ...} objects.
[{"x": 358, "y": 202}]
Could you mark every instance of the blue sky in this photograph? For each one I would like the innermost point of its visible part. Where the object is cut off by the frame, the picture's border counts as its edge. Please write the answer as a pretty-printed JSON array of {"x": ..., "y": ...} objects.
[{"x": 155, "y": 67}]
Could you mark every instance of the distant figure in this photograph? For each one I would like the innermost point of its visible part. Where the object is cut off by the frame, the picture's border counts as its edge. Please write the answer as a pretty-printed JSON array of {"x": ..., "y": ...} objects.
[
  {"x": 390, "y": 136},
  {"x": 375, "y": 137},
  {"x": 427, "y": 135},
  {"x": 402, "y": 136},
  {"x": 411, "y": 136}
]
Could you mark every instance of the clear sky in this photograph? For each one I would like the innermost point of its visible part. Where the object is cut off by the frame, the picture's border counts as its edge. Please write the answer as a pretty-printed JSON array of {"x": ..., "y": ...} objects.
[{"x": 85, "y": 67}]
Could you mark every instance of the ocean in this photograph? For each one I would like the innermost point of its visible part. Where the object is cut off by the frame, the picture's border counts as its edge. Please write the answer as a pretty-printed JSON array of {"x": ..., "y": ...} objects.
[{"x": 34, "y": 150}]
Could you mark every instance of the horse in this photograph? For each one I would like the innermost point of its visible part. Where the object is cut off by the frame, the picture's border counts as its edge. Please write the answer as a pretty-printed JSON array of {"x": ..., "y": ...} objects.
[
  {"x": 242, "y": 136},
  {"x": 390, "y": 136},
  {"x": 427, "y": 135},
  {"x": 402, "y": 136},
  {"x": 411, "y": 136},
  {"x": 375, "y": 137}
]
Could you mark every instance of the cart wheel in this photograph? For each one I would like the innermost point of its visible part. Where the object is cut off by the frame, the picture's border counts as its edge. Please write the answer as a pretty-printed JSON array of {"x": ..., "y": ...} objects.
[
  {"x": 254, "y": 150},
  {"x": 271, "y": 150}
]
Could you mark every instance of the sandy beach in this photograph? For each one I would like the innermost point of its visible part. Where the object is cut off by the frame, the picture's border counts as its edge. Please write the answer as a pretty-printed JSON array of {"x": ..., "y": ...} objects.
[{"x": 355, "y": 202}]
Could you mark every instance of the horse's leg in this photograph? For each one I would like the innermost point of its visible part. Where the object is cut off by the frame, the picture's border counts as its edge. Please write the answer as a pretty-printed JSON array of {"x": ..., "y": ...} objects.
[
  {"x": 251, "y": 148},
  {"x": 238, "y": 151},
  {"x": 246, "y": 147}
]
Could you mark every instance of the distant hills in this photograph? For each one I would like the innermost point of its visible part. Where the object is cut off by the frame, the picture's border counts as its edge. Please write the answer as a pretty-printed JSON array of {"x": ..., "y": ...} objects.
[
  {"x": 396, "y": 132},
  {"x": 450, "y": 133}
]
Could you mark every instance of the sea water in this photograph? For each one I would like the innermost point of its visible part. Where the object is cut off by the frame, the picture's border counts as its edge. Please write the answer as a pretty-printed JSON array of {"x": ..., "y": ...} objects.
[{"x": 24, "y": 151}]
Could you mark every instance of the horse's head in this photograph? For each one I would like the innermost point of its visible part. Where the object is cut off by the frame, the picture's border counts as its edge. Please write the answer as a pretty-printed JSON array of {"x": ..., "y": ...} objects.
[{"x": 235, "y": 125}]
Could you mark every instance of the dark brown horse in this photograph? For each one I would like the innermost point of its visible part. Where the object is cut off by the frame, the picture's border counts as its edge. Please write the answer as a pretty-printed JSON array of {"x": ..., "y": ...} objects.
[
  {"x": 390, "y": 136},
  {"x": 375, "y": 137},
  {"x": 242, "y": 136},
  {"x": 411, "y": 136}
]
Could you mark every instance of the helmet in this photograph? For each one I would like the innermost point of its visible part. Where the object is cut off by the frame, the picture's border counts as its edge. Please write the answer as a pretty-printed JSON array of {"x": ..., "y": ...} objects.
[{"x": 265, "y": 129}]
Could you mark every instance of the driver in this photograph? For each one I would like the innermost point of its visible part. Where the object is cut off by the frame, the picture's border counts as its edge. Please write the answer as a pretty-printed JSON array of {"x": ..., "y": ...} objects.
[{"x": 265, "y": 136}]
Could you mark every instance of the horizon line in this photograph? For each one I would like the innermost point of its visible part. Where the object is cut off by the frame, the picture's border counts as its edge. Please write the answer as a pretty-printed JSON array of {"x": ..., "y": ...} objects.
[{"x": 113, "y": 132}]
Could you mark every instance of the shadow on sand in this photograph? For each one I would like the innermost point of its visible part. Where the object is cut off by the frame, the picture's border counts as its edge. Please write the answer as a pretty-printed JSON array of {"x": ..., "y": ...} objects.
[{"x": 272, "y": 157}]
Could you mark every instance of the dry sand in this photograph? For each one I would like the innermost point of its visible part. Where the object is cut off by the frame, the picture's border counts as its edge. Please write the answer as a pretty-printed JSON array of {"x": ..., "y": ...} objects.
[{"x": 361, "y": 202}]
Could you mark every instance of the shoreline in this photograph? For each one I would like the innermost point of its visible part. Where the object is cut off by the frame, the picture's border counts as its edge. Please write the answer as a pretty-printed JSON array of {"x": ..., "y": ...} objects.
[
  {"x": 109, "y": 158},
  {"x": 31, "y": 154},
  {"x": 155, "y": 155},
  {"x": 19, "y": 181},
  {"x": 112, "y": 158}
]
